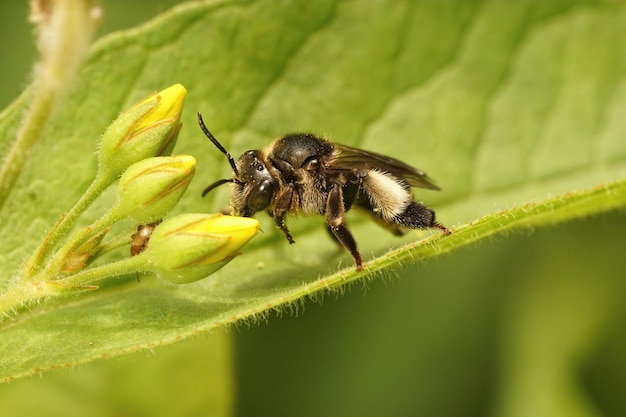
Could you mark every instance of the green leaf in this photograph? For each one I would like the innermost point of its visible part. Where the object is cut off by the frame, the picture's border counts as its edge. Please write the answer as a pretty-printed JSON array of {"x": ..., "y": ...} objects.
[
  {"x": 159, "y": 384},
  {"x": 513, "y": 108},
  {"x": 528, "y": 325}
]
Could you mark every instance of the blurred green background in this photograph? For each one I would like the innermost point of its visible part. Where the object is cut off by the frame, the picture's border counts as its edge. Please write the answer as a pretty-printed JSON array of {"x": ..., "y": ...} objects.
[
  {"x": 530, "y": 324},
  {"x": 19, "y": 51}
]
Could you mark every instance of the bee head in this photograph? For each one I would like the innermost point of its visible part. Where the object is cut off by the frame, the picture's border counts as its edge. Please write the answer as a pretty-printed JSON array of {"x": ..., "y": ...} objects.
[{"x": 254, "y": 186}]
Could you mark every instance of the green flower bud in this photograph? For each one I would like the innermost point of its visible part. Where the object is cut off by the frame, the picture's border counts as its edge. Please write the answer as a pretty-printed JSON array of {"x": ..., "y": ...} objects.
[
  {"x": 79, "y": 258},
  {"x": 147, "y": 129},
  {"x": 189, "y": 247},
  {"x": 149, "y": 189}
]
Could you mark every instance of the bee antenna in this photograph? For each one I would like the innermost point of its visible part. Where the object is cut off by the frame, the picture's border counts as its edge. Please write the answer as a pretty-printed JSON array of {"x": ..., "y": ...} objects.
[
  {"x": 219, "y": 146},
  {"x": 218, "y": 183}
]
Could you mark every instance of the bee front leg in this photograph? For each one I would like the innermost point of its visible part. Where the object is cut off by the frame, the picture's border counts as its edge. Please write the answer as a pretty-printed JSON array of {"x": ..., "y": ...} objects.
[
  {"x": 282, "y": 225},
  {"x": 280, "y": 209},
  {"x": 335, "y": 221}
]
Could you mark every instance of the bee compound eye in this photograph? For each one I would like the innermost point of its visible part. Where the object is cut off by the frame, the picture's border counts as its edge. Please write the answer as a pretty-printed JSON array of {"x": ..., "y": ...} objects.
[{"x": 260, "y": 196}]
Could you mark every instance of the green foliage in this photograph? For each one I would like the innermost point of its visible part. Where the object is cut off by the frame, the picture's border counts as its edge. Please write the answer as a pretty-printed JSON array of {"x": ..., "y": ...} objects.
[{"x": 514, "y": 107}]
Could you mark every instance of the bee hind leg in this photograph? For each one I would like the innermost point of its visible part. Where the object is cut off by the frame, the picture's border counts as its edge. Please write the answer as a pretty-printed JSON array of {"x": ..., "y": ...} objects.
[
  {"x": 443, "y": 228},
  {"x": 335, "y": 222},
  {"x": 393, "y": 228},
  {"x": 418, "y": 216}
]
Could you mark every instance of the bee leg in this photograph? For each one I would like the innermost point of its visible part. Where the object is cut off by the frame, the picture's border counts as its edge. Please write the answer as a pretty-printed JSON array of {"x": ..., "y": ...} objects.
[
  {"x": 364, "y": 205},
  {"x": 282, "y": 225},
  {"x": 418, "y": 216},
  {"x": 332, "y": 236},
  {"x": 443, "y": 228},
  {"x": 335, "y": 221},
  {"x": 279, "y": 212}
]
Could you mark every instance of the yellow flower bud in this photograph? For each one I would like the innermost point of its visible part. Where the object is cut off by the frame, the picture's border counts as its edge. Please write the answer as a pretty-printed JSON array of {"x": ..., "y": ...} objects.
[
  {"x": 149, "y": 189},
  {"x": 189, "y": 247},
  {"x": 147, "y": 129}
]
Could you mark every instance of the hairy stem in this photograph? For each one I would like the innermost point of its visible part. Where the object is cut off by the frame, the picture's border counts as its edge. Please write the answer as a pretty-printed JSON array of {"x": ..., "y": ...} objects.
[
  {"x": 63, "y": 227},
  {"x": 64, "y": 29}
]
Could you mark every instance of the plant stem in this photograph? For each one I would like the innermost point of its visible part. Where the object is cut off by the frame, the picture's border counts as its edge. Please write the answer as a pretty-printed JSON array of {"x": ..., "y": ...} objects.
[
  {"x": 115, "y": 242},
  {"x": 65, "y": 224},
  {"x": 64, "y": 34},
  {"x": 79, "y": 238},
  {"x": 24, "y": 292},
  {"x": 130, "y": 265},
  {"x": 20, "y": 294}
]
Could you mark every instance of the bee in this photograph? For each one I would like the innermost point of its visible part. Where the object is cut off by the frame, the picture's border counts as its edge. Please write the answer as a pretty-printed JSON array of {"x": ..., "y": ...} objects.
[
  {"x": 140, "y": 239},
  {"x": 303, "y": 172}
]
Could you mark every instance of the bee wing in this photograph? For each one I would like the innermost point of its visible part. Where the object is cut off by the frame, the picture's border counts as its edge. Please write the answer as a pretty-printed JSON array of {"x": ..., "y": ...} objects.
[{"x": 355, "y": 158}]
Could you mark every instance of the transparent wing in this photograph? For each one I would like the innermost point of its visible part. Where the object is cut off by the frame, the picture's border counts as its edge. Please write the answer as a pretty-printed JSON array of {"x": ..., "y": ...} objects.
[{"x": 347, "y": 157}]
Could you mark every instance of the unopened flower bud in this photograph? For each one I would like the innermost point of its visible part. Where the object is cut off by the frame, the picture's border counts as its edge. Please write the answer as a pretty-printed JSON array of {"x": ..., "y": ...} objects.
[
  {"x": 79, "y": 258},
  {"x": 189, "y": 247},
  {"x": 149, "y": 189},
  {"x": 147, "y": 129}
]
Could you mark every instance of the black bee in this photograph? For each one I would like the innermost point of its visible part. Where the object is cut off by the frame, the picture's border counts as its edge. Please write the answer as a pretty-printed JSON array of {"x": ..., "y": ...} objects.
[{"x": 300, "y": 171}]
